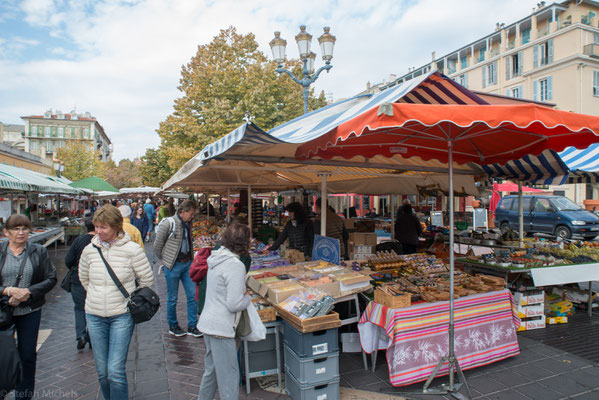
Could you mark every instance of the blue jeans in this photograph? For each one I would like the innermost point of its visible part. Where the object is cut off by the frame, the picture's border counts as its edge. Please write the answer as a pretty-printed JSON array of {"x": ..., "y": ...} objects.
[
  {"x": 180, "y": 272},
  {"x": 27, "y": 327},
  {"x": 150, "y": 225},
  {"x": 110, "y": 338},
  {"x": 79, "y": 294}
]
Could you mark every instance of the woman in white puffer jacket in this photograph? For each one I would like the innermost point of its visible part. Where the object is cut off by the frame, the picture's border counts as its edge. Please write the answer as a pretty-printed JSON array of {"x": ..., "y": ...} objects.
[{"x": 108, "y": 319}]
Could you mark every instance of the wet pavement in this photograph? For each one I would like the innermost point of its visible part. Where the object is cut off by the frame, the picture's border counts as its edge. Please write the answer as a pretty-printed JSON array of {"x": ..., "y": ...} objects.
[{"x": 557, "y": 362}]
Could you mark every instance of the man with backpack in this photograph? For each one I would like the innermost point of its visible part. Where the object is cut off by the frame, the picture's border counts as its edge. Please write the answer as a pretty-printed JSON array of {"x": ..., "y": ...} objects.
[{"x": 173, "y": 245}]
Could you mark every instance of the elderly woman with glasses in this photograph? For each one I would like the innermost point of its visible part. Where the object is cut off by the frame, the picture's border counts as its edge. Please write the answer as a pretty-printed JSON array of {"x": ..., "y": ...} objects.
[{"x": 26, "y": 275}]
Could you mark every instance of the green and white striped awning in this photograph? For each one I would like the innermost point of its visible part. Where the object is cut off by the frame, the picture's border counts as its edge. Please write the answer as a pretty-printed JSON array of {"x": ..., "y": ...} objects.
[{"x": 21, "y": 179}]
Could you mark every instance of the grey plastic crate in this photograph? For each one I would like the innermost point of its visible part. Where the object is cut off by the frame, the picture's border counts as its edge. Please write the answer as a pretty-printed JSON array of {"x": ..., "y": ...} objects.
[
  {"x": 318, "y": 391},
  {"x": 312, "y": 343},
  {"x": 262, "y": 361},
  {"x": 263, "y": 345},
  {"x": 312, "y": 369}
]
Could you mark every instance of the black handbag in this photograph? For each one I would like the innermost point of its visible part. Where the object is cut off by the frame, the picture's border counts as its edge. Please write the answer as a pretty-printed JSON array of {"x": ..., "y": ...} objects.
[
  {"x": 11, "y": 367},
  {"x": 6, "y": 310},
  {"x": 66, "y": 281},
  {"x": 143, "y": 303}
]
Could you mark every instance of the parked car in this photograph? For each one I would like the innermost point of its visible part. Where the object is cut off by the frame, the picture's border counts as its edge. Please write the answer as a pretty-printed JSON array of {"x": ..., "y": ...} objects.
[{"x": 555, "y": 215}]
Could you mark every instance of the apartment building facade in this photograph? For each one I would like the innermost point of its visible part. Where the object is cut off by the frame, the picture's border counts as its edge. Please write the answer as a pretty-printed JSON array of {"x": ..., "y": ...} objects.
[{"x": 45, "y": 134}]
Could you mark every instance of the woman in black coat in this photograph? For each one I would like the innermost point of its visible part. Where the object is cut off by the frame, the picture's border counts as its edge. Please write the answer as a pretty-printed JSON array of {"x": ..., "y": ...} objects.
[
  {"x": 408, "y": 229},
  {"x": 27, "y": 274},
  {"x": 298, "y": 230}
]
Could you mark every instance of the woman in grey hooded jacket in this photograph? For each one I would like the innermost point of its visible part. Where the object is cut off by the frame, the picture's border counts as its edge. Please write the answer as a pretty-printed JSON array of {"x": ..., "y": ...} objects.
[{"x": 225, "y": 299}]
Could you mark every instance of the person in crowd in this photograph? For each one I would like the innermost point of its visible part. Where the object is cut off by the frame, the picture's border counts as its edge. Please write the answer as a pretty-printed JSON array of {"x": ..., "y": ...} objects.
[
  {"x": 27, "y": 274},
  {"x": 93, "y": 208},
  {"x": 77, "y": 291},
  {"x": 109, "y": 322},
  {"x": 133, "y": 232},
  {"x": 407, "y": 229},
  {"x": 150, "y": 215},
  {"x": 139, "y": 220},
  {"x": 225, "y": 296},
  {"x": 400, "y": 208},
  {"x": 210, "y": 210},
  {"x": 163, "y": 212},
  {"x": 298, "y": 230},
  {"x": 171, "y": 206},
  {"x": 173, "y": 245},
  {"x": 335, "y": 227}
]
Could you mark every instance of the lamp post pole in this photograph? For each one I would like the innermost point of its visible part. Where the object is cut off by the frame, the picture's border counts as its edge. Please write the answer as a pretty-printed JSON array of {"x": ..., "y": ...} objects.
[{"x": 304, "y": 39}]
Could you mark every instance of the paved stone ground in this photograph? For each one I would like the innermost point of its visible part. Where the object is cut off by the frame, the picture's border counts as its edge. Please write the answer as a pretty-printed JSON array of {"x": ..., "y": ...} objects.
[{"x": 556, "y": 363}]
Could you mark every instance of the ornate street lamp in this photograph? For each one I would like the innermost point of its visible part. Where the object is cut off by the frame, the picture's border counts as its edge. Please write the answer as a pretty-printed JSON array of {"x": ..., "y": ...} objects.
[{"x": 304, "y": 40}]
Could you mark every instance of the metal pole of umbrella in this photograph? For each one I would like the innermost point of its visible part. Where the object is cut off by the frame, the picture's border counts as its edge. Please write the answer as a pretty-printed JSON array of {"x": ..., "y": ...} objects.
[
  {"x": 323, "y": 204},
  {"x": 250, "y": 207},
  {"x": 392, "y": 210},
  {"x": 520, "y": 215},
  {"x": 347, "y": 205},
  {"x": 451, "y": 359}
]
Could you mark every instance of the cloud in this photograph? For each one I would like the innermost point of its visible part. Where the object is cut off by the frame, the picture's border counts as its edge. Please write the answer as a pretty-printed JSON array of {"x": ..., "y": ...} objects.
[{"x": 121, "y": 60}]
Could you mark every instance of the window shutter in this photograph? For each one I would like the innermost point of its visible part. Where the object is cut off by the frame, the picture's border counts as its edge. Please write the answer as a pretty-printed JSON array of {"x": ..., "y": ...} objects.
[
  {"x": 485, "y": 76},
  {"x": 494, "y": 78},
  {"x": 549, "y": 88},
  {"x": 535, "y": 90},
  {"x": 536, "y": 55},
  {"x": 520, "y": 92},
  {"x": 508, "y": 68},
  {"x": 549, "y": 51},
  {"x": 519, "y": 63}
]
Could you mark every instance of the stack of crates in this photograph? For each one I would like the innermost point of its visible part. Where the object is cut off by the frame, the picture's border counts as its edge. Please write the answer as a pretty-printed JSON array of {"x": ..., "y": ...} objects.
[
  {"x": 531, "y": 309},
  {"x": 311, "y": 363}
]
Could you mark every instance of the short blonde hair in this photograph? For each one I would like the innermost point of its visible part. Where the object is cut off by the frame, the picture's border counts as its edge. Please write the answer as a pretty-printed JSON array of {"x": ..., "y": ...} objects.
[{"x": 109, "y": 215}]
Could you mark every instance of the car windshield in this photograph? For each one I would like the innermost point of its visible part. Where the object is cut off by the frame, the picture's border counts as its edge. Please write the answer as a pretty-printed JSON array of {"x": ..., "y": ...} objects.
[{"x": 564, "y": 204}]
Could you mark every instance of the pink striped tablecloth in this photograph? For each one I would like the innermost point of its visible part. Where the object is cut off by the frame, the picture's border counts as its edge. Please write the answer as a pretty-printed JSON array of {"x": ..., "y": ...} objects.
[{"x": 416, "y": 337}]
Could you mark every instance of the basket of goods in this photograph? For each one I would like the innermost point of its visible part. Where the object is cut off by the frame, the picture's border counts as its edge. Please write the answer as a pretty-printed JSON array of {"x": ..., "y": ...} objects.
[{"x": 392, "y": 295}]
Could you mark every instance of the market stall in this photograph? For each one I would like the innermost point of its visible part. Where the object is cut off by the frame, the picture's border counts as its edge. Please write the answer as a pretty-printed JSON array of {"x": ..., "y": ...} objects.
[{"x": 416, "y": 337}]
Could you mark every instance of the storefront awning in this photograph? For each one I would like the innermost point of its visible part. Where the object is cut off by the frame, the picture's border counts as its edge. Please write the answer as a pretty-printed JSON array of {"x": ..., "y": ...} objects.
[{"x": 20, "y": 179}]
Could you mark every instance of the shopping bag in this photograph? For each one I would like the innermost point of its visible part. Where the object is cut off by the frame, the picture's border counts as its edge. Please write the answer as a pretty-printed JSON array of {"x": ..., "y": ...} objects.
[
  {"x": 258, "y": 329},
  {"x": 66, "y": 281}
]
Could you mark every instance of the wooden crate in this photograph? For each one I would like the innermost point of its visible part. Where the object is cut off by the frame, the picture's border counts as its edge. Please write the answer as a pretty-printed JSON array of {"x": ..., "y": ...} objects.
[
  {"x": 267, "y": 314},
  {"x": 331, "y": 320},
  {"x": 399, "y": 301}
]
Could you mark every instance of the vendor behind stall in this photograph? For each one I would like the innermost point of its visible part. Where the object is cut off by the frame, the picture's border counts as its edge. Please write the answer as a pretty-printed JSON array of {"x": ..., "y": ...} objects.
[
  {"x": 298, "y": 230},
  {"x": 408, "y": 229}
]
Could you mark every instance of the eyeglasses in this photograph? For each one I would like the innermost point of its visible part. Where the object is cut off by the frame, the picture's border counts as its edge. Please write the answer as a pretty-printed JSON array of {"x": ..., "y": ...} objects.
[{"x": 19, "y": 229}]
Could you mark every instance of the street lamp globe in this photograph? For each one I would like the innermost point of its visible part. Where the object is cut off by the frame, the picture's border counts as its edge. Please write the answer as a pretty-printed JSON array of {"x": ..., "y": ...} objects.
[
  {"x": 277, "y": 46},
  {"x": 310, "y": 65},
  {"x": 327, "y": 43},
  {"x": 303, "y": 39}
]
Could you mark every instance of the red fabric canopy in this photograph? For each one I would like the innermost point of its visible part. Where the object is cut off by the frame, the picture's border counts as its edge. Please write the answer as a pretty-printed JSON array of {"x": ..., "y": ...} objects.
[
  {"x": 484, "y": 134},
  {"x": 513, "y": 187}
]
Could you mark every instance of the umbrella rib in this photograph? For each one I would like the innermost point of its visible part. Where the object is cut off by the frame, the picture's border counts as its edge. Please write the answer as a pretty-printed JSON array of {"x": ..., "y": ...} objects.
[{"x": 480, "y": 154}]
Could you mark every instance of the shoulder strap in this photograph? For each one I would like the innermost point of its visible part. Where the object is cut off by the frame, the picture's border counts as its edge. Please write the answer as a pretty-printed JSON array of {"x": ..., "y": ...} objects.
[
  {"x": 3, "y": 254},
  {"x": 115, "y": 279}
]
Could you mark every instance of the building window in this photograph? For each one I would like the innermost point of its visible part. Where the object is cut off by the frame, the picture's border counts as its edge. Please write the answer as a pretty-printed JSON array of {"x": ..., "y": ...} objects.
[
  {"x": 515, "y": 92},
  {"x": 490, "y": 74},
  {"x": 47, "y": 131},
  {"x": 543, "y": 53},
  {"x": 33, "y": 130},
  {"x": 464, "y": 62},
  {"x": 543, "y": 89},
  {"x": 61, "y": 132},
  {"x": 513, "y": 66},
  {"x": 526, "y": 36},
  {"x": 463, "y": 80},
  {"x": 596, "y": 83},
  {"x": 596, "y": 38},
  {"x": 49, "y": 146},
  {"x": 86, "y": 133},
  {"x": 481, "y": 53},
  {"x": 35, "y": 145}
]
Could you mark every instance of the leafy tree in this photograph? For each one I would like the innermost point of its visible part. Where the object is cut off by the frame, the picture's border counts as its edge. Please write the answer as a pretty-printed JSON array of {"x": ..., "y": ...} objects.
[
  {"x": 154, "y": 168},
  {"x": 227, "y": 81},
  {"x": 125, "y": 174},
  {"x": 80, "y": 161}
]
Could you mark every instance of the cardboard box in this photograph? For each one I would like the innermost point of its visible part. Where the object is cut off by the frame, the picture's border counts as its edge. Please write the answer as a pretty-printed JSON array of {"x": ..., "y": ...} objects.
[
  {"x": 532, "y": 323},
  {"x": 256, "y": 286},
  {"x": 557, "y": 320},
  {"x": 575, "y": 296},
  {"x": 534, "y": 310},
  {"x": 529, "y": 298},
  {"x": 363, "y": 238},
  {"x": 360, "y": 256},
  {"x": 278, "y": 294},
  {"x": 350, "y": 224},
  {"x": 363, "y": 248}
]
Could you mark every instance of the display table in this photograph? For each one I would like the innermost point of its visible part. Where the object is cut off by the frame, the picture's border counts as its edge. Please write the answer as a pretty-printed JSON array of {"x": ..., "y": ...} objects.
[
  {"x": 545, "y": 276},
  {"x": 47, "y": 235},
  {"x": 416, "y": 337}
]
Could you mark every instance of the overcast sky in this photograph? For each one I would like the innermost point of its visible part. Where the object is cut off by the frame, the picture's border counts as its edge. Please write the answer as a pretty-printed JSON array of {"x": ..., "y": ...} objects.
[{"x": 121, "y": 59}]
